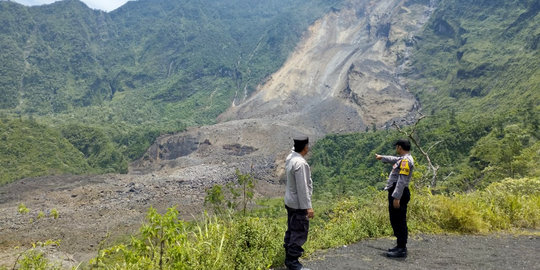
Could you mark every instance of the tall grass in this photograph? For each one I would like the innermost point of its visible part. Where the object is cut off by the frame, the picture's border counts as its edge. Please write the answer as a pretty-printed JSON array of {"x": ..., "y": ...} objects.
[{"x": 255, "y": 241}]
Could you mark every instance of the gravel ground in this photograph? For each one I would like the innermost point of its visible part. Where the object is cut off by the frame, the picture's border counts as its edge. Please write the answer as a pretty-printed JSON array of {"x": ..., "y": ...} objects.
[
  {"x": 497, "y": 251},
  {"x": 99, "y": 208}
]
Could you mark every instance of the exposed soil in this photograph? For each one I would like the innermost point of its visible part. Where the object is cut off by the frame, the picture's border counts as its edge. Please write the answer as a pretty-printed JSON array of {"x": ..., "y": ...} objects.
[
  {"x": 100, "y": 208},
  {"x": 346, "y": 73}
]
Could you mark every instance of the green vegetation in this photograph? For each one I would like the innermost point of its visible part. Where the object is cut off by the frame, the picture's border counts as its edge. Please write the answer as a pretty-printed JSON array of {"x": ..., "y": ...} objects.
[
  {"x": 471, "y": 156},
  {"x": 235, "y": 195},
  {"x": 255, "y": 241},
  {"x": 345, "y": 164},
  {"x": 148, "y": 68},
  {"x": 29, "y": 149},
  {"x": 475, "y": 72},
  {"x": 54, "y": 213},
  {"x": 22, "y": 209},
  {"x": 34, "y": 257},
  {"x": 96, "y": 147}
]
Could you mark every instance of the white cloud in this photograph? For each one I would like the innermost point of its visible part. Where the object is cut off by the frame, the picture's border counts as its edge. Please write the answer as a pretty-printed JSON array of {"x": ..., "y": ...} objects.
[
  {"x": 34, "y": 2},
  {"x": 106, "y": 5}
]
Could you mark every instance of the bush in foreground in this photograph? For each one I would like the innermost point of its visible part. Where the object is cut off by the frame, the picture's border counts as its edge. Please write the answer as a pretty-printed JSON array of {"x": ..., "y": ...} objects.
[{"x": 251, "y": 242}]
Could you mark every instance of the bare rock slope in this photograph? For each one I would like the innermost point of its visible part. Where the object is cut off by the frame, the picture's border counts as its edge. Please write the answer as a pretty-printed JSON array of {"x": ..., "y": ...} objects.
[{"x": 344, "y": 76}]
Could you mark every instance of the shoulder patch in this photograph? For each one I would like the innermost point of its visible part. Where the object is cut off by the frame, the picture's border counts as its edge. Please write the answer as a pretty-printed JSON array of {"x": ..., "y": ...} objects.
[{"x": 404, "y": 167}]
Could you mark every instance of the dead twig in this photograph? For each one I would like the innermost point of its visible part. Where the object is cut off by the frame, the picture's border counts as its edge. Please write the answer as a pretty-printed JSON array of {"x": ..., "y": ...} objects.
[{"x": 433, "y": 168}]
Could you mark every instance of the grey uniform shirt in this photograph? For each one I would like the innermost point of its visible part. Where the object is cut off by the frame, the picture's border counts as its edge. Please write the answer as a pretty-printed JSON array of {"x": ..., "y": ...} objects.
[
  {"x": 299, "y": 184},
  {"x": 401, "y": 173}
]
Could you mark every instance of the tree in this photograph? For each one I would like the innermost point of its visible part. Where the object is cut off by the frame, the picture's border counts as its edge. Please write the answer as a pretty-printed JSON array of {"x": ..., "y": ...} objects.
[
  {"x": 236, "y": 194},
  {"x": 432, "y": 168}
]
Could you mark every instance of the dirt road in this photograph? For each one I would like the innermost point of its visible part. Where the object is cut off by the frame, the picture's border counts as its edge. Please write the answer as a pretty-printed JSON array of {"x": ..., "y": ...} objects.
[{"x": 498, "y": 251}]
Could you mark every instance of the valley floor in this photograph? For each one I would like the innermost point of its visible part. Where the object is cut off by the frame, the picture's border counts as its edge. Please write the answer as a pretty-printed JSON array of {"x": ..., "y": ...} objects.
[
  {"x": 92, "y": 207},
  {"x": 97, "y": 210}
]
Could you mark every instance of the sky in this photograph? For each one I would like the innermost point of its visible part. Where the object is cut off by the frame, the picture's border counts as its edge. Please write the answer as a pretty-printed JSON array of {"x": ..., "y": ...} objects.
[{"x": 106, "y": 5}]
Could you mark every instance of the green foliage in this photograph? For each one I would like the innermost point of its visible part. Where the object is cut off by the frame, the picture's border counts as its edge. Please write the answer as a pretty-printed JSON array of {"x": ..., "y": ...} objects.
[
  {"x": 255, "y": 241},
  {"x": 511, "y": 203},
  {"x": 348, "y": 219},
  {"x": 29, "y": 149},
  {"x": 234, "y": 195},
  {"x": 22, "y": 209},
  {"x": 169, "y": 243},
  {"x": 54, "y": 213},
  {"x": 472, "y": 154},
  {"x": 215, "y": 198},
  {"x": 346, "y": 164},
  {"x": 34, "y": 258},
  {"x": 247, "y": 184},
  {"x": 509, "y": 152},
  {"x": 97, "y": 147}
]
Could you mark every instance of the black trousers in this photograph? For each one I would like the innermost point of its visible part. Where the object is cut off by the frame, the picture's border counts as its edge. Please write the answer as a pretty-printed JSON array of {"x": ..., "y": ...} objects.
[
  {"x": 398, "y": 216},
  {"x": 295, "y": 236}
]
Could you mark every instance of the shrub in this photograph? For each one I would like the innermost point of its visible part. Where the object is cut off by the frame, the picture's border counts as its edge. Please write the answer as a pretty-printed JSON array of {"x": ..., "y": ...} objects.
[
  {"x": 23, "y": 209},
  {"x": 251, "y": 242}
]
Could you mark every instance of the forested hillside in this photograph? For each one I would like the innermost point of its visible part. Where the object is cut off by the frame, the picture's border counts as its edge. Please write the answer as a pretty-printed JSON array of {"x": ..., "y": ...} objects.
[
  {"x": 147, "y": 68},
  {"x": 31, "y": 149},
  {"x": 87, "y": 91},
  {"x": 476, "y": 72},
  {"x": 156, "y": 66}
]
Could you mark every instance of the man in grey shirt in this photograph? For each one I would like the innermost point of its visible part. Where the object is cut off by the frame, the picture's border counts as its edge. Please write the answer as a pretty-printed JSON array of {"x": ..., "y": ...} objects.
[
  {"x": 399, "y": 194},
  {"x": 297, "y": 202}
]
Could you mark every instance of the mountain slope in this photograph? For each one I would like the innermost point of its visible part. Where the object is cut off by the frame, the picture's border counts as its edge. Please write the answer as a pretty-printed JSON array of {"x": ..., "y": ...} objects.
[
  {"x": 348, "y": 69},
  {"x": 65, "y": 56},
  {"x": 476, "y": 73},
  {"x": 343, "y": 77},
  {"x": 437, "y": 63},
  {"x": 29, "y": 149},
  {"x": 148, "y": 68}
]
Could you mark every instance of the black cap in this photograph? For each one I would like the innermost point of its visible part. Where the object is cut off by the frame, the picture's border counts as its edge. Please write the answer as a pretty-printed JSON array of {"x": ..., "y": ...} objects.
[
  {"x": 404, "y": 143},
  {"x": 300, "y": 143}
]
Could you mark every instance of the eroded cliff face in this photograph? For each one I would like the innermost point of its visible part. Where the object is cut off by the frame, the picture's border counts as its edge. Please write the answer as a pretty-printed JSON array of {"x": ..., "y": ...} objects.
[
  {"x": 345, "y": 75},
  {"x": 348, "y": 66}
]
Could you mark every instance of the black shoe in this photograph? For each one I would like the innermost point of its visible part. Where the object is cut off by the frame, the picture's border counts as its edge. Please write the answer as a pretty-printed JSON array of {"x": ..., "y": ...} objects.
[
  {"x": 296, "y": 267},
  {"x": 292, "y": 263},
  {"x": 393, "y": 249},
  {"x": 398, "y": 253}
]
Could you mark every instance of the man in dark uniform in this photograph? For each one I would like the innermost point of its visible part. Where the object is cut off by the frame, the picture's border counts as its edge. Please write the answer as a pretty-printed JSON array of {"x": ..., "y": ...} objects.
[
  {"x": 297, "y": 202},
  {"x": 399, "y": 194}
]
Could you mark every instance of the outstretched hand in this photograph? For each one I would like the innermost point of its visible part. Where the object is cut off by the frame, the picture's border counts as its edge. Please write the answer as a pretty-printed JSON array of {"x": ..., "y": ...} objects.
[{"x": 378, "y": 157}]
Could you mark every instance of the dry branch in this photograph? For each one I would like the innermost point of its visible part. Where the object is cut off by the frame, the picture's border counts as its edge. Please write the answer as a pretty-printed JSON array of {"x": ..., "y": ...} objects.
[{"x": 433, "y": 168}]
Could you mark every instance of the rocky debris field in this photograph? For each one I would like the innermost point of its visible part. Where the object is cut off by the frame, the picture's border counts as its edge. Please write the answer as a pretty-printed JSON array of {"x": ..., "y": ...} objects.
[{"x": 102, "y": 208}]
